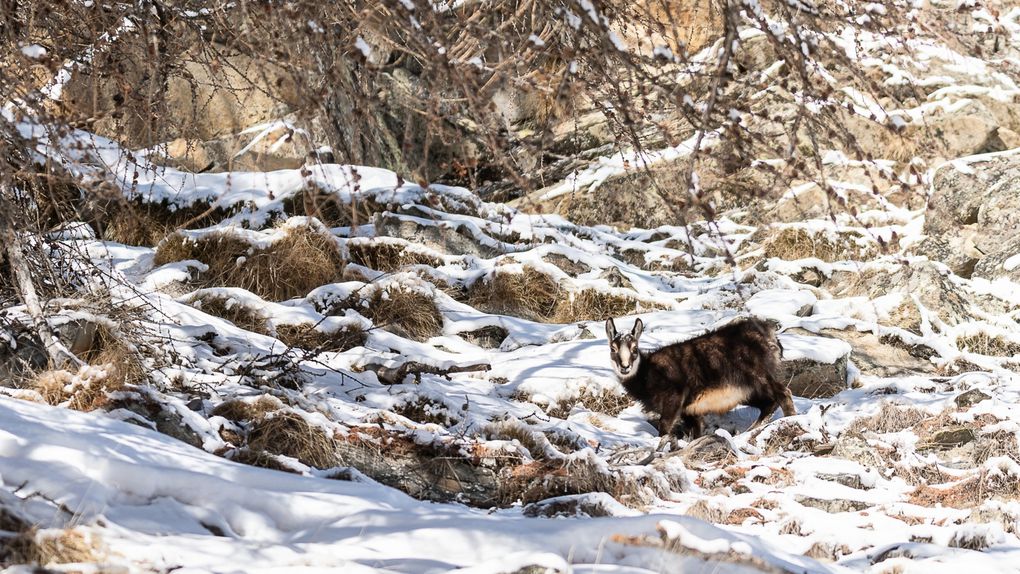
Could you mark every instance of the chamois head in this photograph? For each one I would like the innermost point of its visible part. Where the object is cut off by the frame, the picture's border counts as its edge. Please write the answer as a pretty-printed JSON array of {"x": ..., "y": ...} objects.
[{"x": 623, "y": 349}]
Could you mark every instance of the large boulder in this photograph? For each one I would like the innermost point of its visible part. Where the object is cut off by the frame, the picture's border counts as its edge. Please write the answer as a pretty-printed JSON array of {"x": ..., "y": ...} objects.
[
  {"x": 199, "y": 96},
  {"x": 929, "y": 283},
  {"x": 974, "y": 213}
]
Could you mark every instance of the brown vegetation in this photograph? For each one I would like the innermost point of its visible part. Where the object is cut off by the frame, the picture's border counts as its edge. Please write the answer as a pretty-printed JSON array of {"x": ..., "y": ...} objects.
[
  {"x": 388, "y": 256},
  {"x": 793, "y": 243},
  {"x": 530, "y": 295},
  {"x": 289, "y": 434},
  {"x": 404, "y": 311},
  {"x": 115, "y": 365},
  {"x": 41, "y": 548},
  {"x": 303, "y": 259},
  {"x": 990, "y": 345},
  {"x": 606, "y": 401}
]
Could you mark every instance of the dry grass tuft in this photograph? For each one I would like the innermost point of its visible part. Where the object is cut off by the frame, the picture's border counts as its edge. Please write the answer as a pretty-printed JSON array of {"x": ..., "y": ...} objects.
[
  {"x": 238, "y": 313},
  {"x": 290, "y": 435},
  {"x": 145, "y": 224},
  {"x": 302, "y": 260},
  {"x": 793, "y": 243},
  {"x": 116, "y": 366},
  {"x": 532, "y": 440},
  {"x": 531, "y": 295},
  {"x": 405, "y": 312},
  {"x": 606, "y": 401},
  {"x": 891, "y": 418},
  {"x": 593, "y": 305},
  {"x": 387, "y": 256},
  {"x": 239, "y": 410},
  {"x": 538, "y": 480},
  {"x": 259, "y": 458},
  {"x": 326, "y": 206},
  {"x": 969, "y": 493},
  {"x": 989, "y": 345},
  {"x": 308, "y": 337},
  {"x": 44, "y": 547}
]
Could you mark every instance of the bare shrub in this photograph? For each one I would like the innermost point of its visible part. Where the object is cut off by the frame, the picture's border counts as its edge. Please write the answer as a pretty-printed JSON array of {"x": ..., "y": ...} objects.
[
  {"x": 309, "y": 337},
  {"x": 303, "y": 259}
]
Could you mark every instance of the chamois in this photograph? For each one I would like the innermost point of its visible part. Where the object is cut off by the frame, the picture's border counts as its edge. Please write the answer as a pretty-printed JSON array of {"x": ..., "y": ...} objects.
[{"x": 737, "y": 364}]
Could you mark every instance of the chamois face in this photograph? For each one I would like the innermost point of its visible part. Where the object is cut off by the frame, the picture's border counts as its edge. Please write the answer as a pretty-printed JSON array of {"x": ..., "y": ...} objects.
[{"x": 623, "y": 349}]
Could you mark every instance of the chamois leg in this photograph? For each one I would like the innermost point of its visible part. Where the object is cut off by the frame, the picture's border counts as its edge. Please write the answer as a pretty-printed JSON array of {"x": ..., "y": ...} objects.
[
  {"x": 767, "y": 408},
  {"x": 667, "y": 427},
  {"x": 786, "y": 402},
  {"x": 694, "y": 426}
]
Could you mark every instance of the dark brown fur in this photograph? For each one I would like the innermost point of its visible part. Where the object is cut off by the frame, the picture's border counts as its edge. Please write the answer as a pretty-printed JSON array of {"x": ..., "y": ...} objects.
[{"x": 737, "y": 364}]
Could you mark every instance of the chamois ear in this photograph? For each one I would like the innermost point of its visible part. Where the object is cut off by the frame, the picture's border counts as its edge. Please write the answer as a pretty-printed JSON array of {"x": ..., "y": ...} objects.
[
  {"x": 610, "y": 330},
  {"x": 638, "y": 327}
]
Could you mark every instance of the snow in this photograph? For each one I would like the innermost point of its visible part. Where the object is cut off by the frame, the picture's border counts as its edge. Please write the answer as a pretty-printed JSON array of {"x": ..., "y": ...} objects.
[{"x": 159, "y": 500}]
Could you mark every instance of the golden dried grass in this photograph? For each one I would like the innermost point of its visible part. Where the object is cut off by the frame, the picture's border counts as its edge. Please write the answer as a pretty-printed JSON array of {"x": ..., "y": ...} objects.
[
  {"x": 305, "y": 258},
  {"x": 530, "y": 295},
  {"x": 387, "y": 256},
  {"x": 43, "y": 547},
  {"x": 593, "y": 305},
  {"x": 289, "y": 434},
  {"x": 793, "y": 243},
  {"x": 405, "y": 312}
]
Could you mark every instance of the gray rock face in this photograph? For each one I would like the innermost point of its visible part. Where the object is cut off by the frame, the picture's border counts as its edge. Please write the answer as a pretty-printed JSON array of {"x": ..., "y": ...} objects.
[
  {"x": 812, "y": 380},
  {"x": 973, "y": 218},
  {"x": 926, "y": 281}
]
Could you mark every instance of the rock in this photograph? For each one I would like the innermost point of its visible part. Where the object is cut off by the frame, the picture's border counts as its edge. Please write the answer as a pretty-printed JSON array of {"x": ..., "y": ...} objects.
[
  {"x": 1001, "y": 263},
  {"x": 487, "y": 337},
  {"x": 956, "y": 135},
  {"x": 814, "y": 380},
  {"x": 849, "y": 480},
  {"x": 201, "y": 100},
  {"x": 833, "y": 505},
  {"x": 1009, "y": 138},
  {"x": 857, "y": 449},
  {"x": 814, "y": 367},
  {"x": 573, "y": 505},
  {"x": 974, "y": 213},
  {"x": 883, "y": 356},
  {"x": 926, "y": 281},
  {"x": 970, "y": 398},
  {"x": 951, "y": 437}
]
